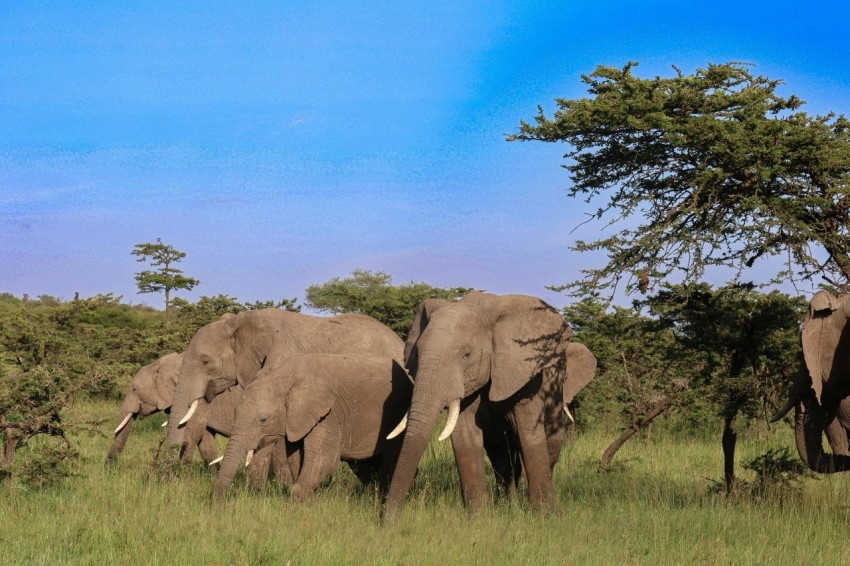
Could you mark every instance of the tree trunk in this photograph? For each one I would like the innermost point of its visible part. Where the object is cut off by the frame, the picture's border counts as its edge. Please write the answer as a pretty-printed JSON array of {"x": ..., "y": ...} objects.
[
  {"x": 729, "y": 441},
  {"x": 660, "y": 406}
]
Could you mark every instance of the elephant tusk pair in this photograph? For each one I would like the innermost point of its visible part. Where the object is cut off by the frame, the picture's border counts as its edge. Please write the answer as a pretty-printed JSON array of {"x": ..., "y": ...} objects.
[
  {"x": 569, "y": 414},
  {"x": 123, "y": 423},
  {"x": 220, "y": 458},
  {"x": 451, "y": 420},
  {"x": 191, "y": 412}
]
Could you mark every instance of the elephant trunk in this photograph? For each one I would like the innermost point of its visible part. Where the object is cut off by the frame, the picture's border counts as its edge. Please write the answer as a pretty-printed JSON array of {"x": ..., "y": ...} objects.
[
  {"x": 420, "y": 427},
  {"x": 121, "y": 438},
  {"x": 808, "y": 435},
  {"x": 184, "y": 397},
  {"x": 234, "y": 455}
]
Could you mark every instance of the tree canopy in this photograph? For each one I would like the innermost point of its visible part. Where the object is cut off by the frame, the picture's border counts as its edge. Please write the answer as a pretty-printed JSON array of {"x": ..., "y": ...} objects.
[
  {"x": 166, "y": 277},
  {"x": 372, "y": 293},
  {"x": 709, "y": 169}
]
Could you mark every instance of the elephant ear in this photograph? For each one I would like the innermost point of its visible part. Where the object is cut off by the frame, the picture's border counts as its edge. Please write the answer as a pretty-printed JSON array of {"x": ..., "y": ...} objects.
[
  {"x": 308, "y": 402},
  {"x": 581, "y": 368},
  {"x": 426, "y": 310},
  {"x": 822, "y": 330},
  {"x": 165, "y": 380},
  {"x": 253, "y": 334},
  {"x": 528, "y": 336}
]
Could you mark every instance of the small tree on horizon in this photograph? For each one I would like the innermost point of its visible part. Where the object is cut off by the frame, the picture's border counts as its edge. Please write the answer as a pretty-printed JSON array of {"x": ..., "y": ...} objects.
[{"x": 166, "y": 277}]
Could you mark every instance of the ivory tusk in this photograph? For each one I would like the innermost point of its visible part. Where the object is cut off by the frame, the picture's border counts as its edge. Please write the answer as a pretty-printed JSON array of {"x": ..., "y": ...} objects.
[
  {"x": 783, "y": 411},
  {"x": 217, "y": 460},
  {"x": 249, "y": 457},
  {"x": 165, "y": 424},
  {"x": 123, "y": 423},
  {"x": 451, "y": 420},
  {"x": 569, "y": 414},
  {"x": 399, "y": 428},
  {"x": 191, "y": 412}
]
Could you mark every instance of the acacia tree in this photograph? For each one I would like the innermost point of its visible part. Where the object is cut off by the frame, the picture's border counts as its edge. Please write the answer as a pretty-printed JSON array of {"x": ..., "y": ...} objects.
[
  {"x": 716, "y": 168},
  {"x": 166, "y": 277}
]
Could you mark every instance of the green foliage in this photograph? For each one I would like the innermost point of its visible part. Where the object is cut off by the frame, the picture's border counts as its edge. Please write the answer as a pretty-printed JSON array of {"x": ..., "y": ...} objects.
[
  {"x": 166, "y": 277},
  {"x": 709, "y": 169},
  {"x": 742, "y": 345},
  {"x": 373, "y": 294},
  {"x": 52, "y": 351}
]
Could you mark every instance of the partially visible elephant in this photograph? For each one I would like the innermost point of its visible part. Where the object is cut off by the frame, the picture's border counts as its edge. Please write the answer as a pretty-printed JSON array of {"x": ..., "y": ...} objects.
[
  {"x": 152, "y": 390},
  {"x": 326, "y": 408},
  {"x": 506, "y": 458},
  {"x": 820, "y": 389},
  {"x": 499, "y": 363},
  {"x": 234, "y": 348}
]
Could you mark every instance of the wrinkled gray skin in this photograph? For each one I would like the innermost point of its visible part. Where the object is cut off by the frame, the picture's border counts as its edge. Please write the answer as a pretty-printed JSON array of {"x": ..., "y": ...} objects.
[
  {"x": 327, "y": 408},
  {"x": 233, "y": 349},
  {"x": 822, "y": 385},
  {"x": 505, "y": 357},
  {"x": 505, "y": 457},
  {"x": 152, "y": 390}
]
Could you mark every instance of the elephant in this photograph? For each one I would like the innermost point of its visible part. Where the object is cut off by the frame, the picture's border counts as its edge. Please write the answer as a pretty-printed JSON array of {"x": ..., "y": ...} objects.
[
  {"x": 152, "y": 390},
  {"x": 819, "y": 393},
  {"x": 233, "y": 349},
  {"x": 325, "y": 408},
  {"x": 499, "y": 363}
]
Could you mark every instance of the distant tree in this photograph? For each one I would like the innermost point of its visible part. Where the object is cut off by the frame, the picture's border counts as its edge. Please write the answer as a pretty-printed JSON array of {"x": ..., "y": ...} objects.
[
  {"x": 701, "y": 170},
  {"x": 741, "y": 344},
  {"x": 372, "y": 293},
  {"x": 166, "y": 277}
]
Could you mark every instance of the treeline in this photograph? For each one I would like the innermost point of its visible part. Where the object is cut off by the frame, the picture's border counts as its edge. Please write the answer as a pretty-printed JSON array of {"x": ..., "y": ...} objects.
[{"x": 707, "y": 354}]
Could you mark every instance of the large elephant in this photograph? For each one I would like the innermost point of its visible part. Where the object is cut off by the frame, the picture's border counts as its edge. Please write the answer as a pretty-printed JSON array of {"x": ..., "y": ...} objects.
[
  {"x": 152, "y": 390},
  {"x": 499, "y": 363},
  {"x": 325, "y": 408},
  {"x": 818, "y": 394},
  {"x": 234, "y": 348}
]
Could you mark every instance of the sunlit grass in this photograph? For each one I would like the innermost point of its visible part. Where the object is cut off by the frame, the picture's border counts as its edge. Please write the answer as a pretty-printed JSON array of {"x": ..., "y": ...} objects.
[{"x": 654, "y": 505}]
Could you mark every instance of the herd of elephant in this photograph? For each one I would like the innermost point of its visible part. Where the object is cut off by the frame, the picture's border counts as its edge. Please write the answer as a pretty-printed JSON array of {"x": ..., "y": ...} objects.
[{"x": 297, "y": 395}]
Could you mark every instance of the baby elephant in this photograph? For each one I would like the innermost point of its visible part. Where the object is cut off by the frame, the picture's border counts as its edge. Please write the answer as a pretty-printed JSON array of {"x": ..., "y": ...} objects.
[{"x": 324, "y": 408}]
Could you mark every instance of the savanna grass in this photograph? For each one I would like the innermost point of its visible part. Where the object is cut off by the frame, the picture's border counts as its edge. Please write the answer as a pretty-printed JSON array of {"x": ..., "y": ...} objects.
[{"x": 654, "y": 505}]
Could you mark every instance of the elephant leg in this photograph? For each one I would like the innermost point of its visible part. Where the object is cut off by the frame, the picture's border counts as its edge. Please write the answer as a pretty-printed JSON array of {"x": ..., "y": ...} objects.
[
  {"x": 207, "y": 447},
  {"x": 258, "y": 469},
  {"x": 503, "y": 452},
  {"x": 468, "y": 448},
  {"x": 836, "y": 435},
  {"x": 534, "y": 448},
  {"x": 187, "y": 451},
  {"x": 367, "y": 471},
  {"x": 322, "y": 449},
  {"x": 280, "y": 464}
]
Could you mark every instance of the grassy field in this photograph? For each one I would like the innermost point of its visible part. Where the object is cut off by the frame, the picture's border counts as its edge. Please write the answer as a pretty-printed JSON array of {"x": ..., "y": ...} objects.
[{"x": 655, "y": 506}]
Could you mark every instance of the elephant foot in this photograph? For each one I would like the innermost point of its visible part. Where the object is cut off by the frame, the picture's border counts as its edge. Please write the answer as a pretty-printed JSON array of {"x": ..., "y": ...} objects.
[{"x": 300, "y": 493}]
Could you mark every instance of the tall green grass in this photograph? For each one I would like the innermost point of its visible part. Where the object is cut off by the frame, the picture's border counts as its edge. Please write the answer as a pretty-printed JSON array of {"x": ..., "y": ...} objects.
[{"x": 655, "y": 505}]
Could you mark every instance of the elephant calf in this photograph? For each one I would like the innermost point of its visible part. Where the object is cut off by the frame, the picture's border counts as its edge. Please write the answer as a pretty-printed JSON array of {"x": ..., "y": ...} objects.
[
  {"x": 151, "y": 391},
  {"x": 326, "y": 408}
]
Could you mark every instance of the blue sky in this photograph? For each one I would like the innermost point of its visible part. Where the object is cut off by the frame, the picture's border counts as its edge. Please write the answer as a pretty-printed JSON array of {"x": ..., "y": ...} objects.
[{"x": 281, "y": 144}]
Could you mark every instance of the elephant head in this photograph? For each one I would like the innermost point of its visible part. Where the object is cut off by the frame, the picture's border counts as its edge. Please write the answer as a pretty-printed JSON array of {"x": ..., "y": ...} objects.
[
  {"x": 259, "y": 423},
  {"x": 487, "y": 344},
  {"x": 822, "y": 382},
  {"x": 221, "y": 354},
  {"x": 150, "y": 391},
  {"x": 235, "y": 347}
]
